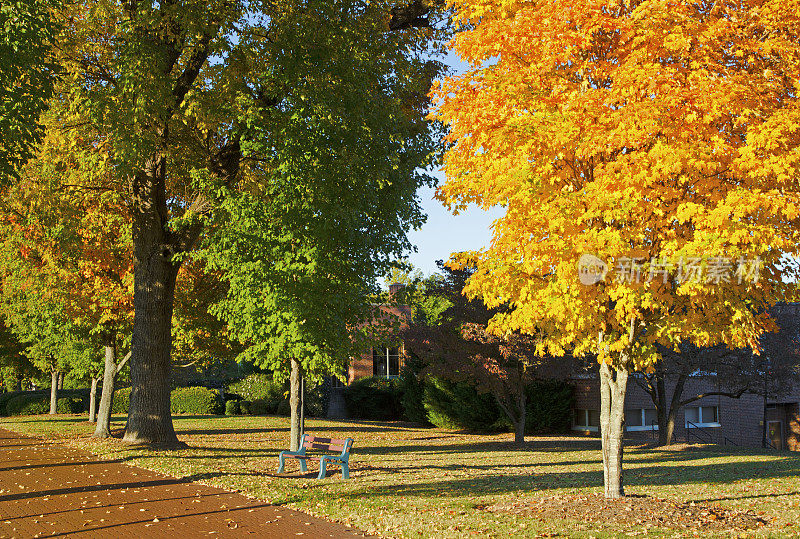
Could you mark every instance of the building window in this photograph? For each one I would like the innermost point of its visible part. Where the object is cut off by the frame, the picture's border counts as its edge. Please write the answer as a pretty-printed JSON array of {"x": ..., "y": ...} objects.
[
  {"x": 641, "y": 419},
  {"x": 588, "y": 420},
  {"x": 702, "y": 416},
  {"x": 386, "y": 362}
]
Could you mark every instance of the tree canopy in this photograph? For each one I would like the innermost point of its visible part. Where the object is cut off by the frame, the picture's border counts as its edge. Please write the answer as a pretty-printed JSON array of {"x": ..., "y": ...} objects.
[
  {"x": 655, "y": 141},
  {"x": 303, "y": 116},
  {"x": 27, "y": 74}
]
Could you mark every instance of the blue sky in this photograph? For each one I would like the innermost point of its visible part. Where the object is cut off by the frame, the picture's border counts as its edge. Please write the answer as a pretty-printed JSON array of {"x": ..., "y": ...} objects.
[{"x": 444, "y": 233}]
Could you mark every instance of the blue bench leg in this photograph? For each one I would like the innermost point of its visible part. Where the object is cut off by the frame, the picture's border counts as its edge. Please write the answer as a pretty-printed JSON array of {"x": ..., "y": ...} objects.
[
  {"x": 345, "y": 470},
  {"x": 280, "y": 460},
  {"x": 322, "y": 470},
  {"x": 303, "y": 465}
]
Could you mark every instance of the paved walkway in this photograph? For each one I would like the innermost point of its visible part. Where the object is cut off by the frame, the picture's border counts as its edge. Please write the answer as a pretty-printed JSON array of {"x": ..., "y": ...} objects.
[{"x": 51, "y": 490}]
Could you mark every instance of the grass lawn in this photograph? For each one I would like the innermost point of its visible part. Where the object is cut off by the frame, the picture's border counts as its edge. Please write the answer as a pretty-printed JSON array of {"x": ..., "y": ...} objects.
[{"x": 416, "y": 482}]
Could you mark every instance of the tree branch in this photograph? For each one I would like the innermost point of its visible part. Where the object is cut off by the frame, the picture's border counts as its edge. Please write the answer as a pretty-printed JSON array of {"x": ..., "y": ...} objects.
[
  {"x": 122, "y": 363},
  {"x": 192, "y": 69},
  {"x": 413, "y": 15},
  {"x": 732, "y": 395}
]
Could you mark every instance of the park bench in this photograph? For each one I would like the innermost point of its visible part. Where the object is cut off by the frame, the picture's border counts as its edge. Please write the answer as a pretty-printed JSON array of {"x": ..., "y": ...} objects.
[{"x": 321, "y": 444}]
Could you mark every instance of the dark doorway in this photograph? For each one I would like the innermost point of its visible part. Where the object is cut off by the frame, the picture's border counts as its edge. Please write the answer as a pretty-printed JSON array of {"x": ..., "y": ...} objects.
[{"x": 775, "y": 433}]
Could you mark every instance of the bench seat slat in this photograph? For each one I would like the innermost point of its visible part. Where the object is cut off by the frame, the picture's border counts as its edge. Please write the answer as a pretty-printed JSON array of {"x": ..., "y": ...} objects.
[
  {"x": 317, "y": 442},
  {"x": 324, "y": 447}
]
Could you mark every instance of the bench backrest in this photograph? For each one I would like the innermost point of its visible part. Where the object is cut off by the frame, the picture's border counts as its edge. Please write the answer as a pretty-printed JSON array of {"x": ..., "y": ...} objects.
[{"x": 327, "y": 444}]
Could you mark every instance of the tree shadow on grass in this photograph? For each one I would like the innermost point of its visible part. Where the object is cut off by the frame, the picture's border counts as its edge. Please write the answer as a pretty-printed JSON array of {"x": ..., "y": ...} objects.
[
  {"x": 213, "y": 432},
  {"x": 549, "y": 446},
  {"x": 748, "y": 497},
  {"x": 489, "y": 484},
  {"x": 46, "y": 418},
  {"x": 706, "y": 452}
]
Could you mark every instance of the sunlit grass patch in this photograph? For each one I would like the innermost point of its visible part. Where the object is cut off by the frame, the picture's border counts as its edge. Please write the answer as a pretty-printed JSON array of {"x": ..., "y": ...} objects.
[{"x": 417, "y": 482}]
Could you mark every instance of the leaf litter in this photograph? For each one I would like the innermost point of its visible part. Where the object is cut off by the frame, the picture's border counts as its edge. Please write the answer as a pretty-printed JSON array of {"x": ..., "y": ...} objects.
[{"x": 633, "y": 512}]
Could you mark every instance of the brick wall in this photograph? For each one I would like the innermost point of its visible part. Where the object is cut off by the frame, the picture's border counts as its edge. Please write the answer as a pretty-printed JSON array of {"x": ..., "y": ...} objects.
[
  {"x": 741, "y": 420},
  {"x": 361, "y": 366}
]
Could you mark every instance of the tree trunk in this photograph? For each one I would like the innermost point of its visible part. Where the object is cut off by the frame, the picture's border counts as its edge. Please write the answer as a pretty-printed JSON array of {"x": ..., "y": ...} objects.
[
  {"x": 675, "y": 403},
  {"x": 60, "y": 381},
  {"x": 155, "y": 272},
  {"x": 93, "y": 400},
  {"x": 669, "y": 429},
  {"x": 103, "y": 428},
  {"x": 294, "y": 403},
  {"x": 613, "y": 384},
  {"x": 53, "y": 392},
  {"x": 662, "y": 410},
  {"x": 519, "y": 425}
]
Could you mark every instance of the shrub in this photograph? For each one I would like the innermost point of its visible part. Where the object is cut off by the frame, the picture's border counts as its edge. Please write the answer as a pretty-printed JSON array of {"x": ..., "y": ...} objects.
[
  {"x": 315, "y": 400},
  {"x": 232, "y": 407},
  {"x": 29, "y": 404},
  {"x": 5, "y": 397},
  {"x": 452, "y": 405},
  {"x": 259, "y": 407},
  {"x": 244, "y": 407},
  {"x": 374, "y": 398},
  {"x": 262, "y": 389},
  {"x": 549, "y": 404},
  {"x": 34, "y": 403},
  {"x": 70, "y": 405},
  {"x": 196, "y": 400},
  {"x": 122, "y": 398},
  {"x": 413, "y": 390}
]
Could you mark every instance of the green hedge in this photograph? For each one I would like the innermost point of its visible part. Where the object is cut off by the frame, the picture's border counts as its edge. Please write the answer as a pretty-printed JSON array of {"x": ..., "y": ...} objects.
[
  {"x": 374, "y": 398},
  {"x": 34, "y": 403},
  {"x": 122, "y": 398},
  {"x": 232, "y": 407},
  {"x": 183, "y": 400},
  {"x": 196, "y": 400},
  {"x": 263, "y": 393},
  {"x": 412, "y": 386},
  {"x": 549, "y": 406},
  {"x": 5, "y": 397},
  {"x": 459, "y": 406}
]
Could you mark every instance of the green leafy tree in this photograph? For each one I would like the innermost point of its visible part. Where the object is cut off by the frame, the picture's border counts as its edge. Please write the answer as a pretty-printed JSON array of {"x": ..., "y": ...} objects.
[
  {"x": 27, "y": 75},
  {"x": 302, "y": 254},
  {"x": 15, "y": 367},
  {"x": 203, "y": 101}
]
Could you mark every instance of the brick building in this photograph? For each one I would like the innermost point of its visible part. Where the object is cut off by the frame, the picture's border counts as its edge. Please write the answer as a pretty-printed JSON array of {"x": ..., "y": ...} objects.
[
  {"x": 713, "y": 419},
  {"x": 383, "y": 361}
]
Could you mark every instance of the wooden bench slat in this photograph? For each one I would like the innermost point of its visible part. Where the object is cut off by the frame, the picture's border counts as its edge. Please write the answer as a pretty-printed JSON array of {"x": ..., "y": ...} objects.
[
  {"x": 313, "y": 441},
  {"x": 325, "y": 447}
]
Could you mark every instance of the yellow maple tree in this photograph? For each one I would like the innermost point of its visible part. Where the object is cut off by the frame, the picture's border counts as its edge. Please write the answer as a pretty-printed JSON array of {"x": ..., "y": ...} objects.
[{"x": 656, "y": 141}]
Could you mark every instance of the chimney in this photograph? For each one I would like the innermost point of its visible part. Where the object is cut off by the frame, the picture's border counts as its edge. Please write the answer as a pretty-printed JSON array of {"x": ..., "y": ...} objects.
[{"x": 394, "y": 288}]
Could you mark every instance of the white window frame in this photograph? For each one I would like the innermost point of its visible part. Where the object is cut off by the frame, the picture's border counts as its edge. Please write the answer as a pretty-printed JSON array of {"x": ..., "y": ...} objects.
[
  {"x": 701, "y": 424},
  {"x": 586, "y": 427},
  {"x": 386, "y": 353},
  {"x": 643, "y": 426}
]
